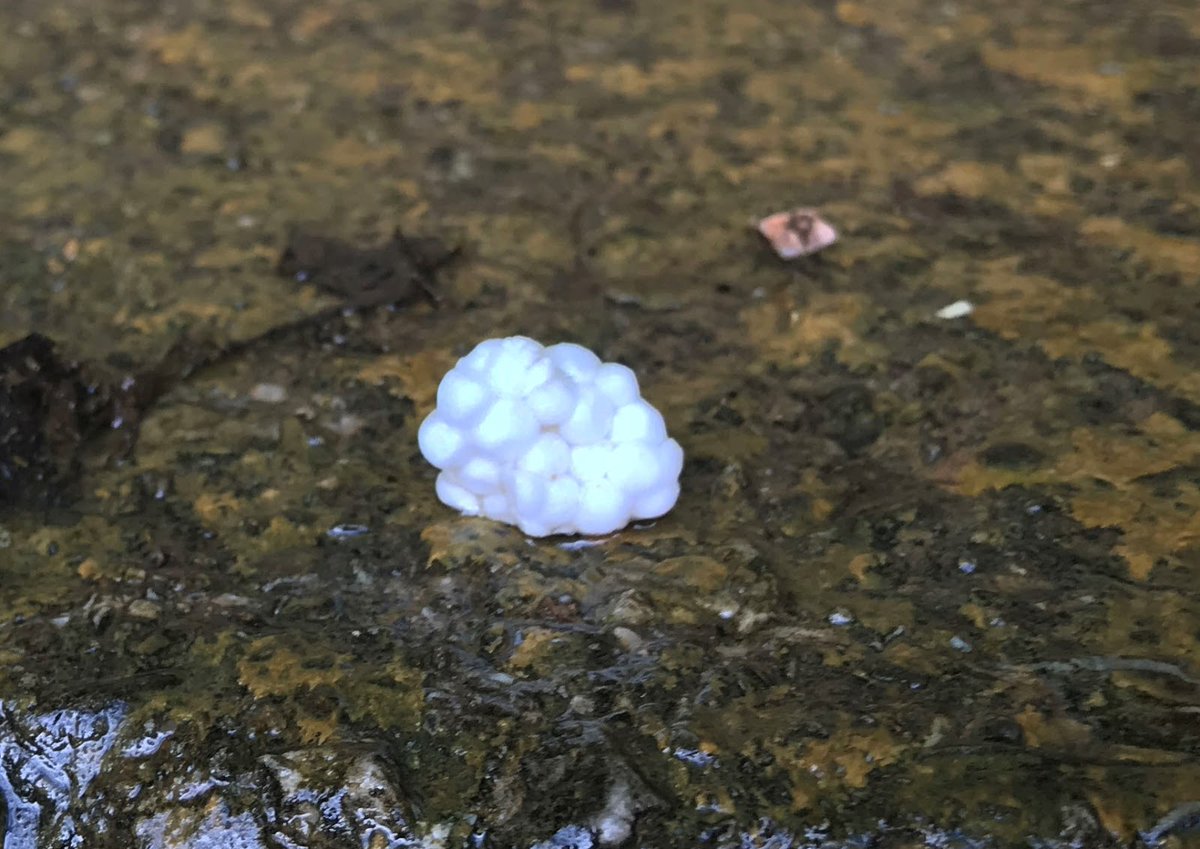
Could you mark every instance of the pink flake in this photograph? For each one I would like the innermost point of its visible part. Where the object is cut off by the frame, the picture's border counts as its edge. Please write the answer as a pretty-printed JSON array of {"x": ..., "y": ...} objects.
[{"x": 798, "y": 232}]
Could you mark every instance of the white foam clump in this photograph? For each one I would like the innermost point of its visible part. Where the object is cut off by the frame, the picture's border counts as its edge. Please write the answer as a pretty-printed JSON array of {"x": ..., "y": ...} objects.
[{"x": 550, "y": 439}]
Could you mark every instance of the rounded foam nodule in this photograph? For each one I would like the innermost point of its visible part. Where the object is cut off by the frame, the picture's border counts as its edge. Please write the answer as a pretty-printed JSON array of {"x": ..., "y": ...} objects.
[{"x": 550, "y": 439}]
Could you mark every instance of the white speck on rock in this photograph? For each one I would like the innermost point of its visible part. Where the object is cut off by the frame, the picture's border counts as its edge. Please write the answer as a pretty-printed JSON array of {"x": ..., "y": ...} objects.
[
  {"x": 579, "y": 544},
  {"x": 958, "y": 309},
  {"x": 347, "y": 531}
]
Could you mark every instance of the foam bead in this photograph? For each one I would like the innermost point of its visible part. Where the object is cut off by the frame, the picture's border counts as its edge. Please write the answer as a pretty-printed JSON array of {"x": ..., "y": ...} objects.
[
  {"x": 656, "y": 502},
  {"x": 553, "y": 401},
  {"x": 636, "y": 465},
  {"x": 575, "y": 361},
  {"x": 528, "y": 493},
  {"x": 480, "y": 476},
  {"x": 461, "y": 398},
  {"x": 603, "y": 508},
  {"x": 637, "y": 420},
  {"x": 549, "y": 439},
  {"x": 548, "y": 457},
  {"x": 618, "y": 383},
  {"x": 562, "y": 502},
  {"x": 456, "y": 496},
  {"x": 591, "y": 462},
  {"x": 497, "y": 507},
  {"x": 506, "y": 423},
  {"x": 670, "y": 454},
  {"x": 440, "y": 442},
  {"x": 591, "y": 419}
]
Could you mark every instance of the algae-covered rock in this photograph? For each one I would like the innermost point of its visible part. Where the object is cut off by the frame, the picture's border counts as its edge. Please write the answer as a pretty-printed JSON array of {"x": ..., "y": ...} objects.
[{"x": 928, "y": 582}]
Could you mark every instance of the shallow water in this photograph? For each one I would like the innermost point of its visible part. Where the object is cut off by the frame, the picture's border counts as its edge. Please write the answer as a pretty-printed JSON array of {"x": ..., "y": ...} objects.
[{"x": 930, "y": 582}]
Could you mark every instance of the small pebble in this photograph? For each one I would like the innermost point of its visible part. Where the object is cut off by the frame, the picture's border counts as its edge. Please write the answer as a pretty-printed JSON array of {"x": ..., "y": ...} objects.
[
  {"x": 582, "y": 705},
  {"x": 966, "y": 566},
  {"x": 628, "y": 639},
  {"x": 959, "y": 644},
  {"x": 840, "y": 619},
  {"x": 269, "y": 393},
  {"x": 142, "y": 608}
]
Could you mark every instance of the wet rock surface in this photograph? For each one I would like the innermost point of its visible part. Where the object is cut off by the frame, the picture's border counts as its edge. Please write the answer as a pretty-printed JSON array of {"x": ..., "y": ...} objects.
[{"x": 931, "y": 581}]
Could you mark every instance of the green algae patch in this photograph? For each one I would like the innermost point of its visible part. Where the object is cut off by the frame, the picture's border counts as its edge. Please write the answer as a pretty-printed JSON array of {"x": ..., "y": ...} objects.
[{"x": 322, "y": 688}]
